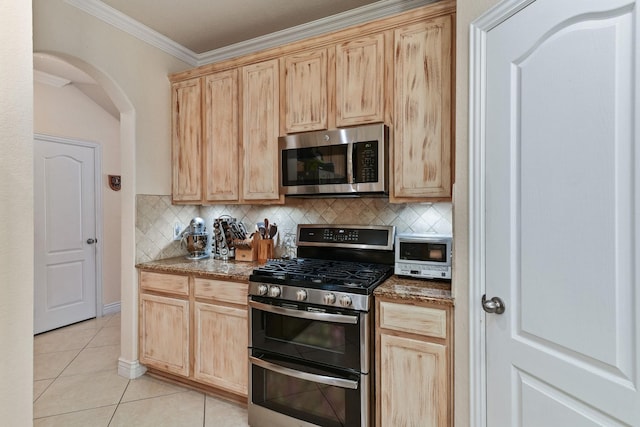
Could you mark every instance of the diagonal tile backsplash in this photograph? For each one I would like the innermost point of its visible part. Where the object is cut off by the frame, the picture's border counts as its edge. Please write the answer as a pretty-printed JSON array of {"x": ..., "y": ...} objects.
[{"x": 156, "y": 217}]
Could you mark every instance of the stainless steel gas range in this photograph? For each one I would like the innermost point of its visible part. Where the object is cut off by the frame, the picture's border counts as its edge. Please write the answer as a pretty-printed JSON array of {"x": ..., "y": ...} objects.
[{"x": 311, "y": 328}]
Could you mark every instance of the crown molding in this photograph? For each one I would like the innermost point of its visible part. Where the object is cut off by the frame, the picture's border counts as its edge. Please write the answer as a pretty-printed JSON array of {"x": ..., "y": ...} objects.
[
  {"x": 339, "y": 21},
  {"x": 123, "y": 22}
]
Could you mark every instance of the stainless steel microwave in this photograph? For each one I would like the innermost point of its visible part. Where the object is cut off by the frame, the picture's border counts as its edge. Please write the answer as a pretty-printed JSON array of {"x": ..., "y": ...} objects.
[
  {"x": 426, "y": 256},
  {"x": 346, "y": 161}
]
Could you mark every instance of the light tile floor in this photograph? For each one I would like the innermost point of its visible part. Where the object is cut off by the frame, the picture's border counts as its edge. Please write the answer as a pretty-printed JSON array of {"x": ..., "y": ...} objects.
[{"x": 76, "y": 384}]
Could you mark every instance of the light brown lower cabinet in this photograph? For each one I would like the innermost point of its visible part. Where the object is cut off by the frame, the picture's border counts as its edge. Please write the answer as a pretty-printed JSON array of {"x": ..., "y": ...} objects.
[
  {"x": 413, "y": 364},
  {"x": 194, "y": 330},
  {"x": 164, "y": 334},
  {"x": 221, "y": 335}
]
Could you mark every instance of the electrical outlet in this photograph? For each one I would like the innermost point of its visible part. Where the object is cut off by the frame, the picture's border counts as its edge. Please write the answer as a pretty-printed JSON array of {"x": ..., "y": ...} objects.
[{"x": 177, "y": 230}]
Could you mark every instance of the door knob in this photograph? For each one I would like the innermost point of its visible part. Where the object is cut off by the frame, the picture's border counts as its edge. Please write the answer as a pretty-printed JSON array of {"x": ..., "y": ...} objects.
[
  {"x": 91, "y": 241},
  {"x": 494, "y": 305}
]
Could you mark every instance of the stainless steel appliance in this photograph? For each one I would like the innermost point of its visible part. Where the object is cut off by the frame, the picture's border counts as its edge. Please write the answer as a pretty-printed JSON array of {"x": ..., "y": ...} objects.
[
  {"x": 311, "y": 328},
  {"x": 347, "y": 161},
  {"x": 195, "y": 239},
  {"x": 426, "y": 255}
]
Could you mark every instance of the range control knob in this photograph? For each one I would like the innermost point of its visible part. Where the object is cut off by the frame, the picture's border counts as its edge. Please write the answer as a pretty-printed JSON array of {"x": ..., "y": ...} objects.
[
  {"x": 345, "y": 300},
  {"x": 274, "y": 291},
  {"x": 262, "y": 289},
  {"x": 301, "y": 295},
  {"x": 329, "y": 298}
]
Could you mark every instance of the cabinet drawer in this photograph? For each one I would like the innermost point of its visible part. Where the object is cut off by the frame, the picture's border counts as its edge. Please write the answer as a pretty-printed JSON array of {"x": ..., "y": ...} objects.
[
  {"x": 161, "y": 282},
  {"x": 232, "y": 292},
  {"x": 413, "y": 319}
]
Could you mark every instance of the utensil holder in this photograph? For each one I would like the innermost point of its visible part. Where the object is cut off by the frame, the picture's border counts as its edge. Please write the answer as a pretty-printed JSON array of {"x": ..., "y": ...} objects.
[{"x": 265, "y": 249}]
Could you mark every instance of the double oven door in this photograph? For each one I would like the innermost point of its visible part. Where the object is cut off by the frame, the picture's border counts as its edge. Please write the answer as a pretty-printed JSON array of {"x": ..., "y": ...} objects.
[{"x": 309, "y": 365}]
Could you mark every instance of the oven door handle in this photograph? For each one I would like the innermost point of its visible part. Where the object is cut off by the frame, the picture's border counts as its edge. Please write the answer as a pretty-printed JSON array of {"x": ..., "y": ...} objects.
[
  {"x": 325, "y": 317},
  {"x": 305, "y": 376}
]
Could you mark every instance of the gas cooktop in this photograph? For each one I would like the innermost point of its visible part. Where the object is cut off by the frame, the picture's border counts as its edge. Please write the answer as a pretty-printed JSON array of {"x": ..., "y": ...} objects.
[
  {"x": 345, "y": 276},
  {"x": 337, "y": 266}
]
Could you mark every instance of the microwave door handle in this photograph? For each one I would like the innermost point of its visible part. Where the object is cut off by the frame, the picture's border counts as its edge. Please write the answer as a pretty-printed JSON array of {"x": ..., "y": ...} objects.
[
  {"x": 324, "y": 317},
  {"x": 320, "y": 379},
  {"x": 350, "y": 161}
]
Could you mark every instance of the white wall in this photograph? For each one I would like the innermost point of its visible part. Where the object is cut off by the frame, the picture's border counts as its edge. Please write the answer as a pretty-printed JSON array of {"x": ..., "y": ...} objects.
[
  {"x": 67, "y": 112},
  {"x": 16, "y": 214}
]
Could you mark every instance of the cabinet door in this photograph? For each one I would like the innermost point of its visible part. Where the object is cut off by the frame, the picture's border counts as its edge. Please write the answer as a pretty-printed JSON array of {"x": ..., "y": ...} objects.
[
  {"x": 164, "y": 334},
  {"x": 220, "y": 346},
  {"x": 260, "y": 109},
  {"x": 360, "y": 81},
  {"x": 186, "y": 141},
  {"x": 305, "y": 91},
  {"x": 422, "y": 129},
  {"x": 221, "y": 141},
  {"x": 413, "y": 383}
]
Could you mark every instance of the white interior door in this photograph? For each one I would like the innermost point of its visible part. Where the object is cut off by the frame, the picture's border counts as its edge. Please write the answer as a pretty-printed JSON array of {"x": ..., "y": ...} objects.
[
  {"x": 65, "y": 233},
  {"x": 560, "y": 229}
]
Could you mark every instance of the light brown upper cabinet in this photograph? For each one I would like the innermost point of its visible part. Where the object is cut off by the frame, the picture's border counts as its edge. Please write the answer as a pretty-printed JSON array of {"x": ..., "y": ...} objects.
[
  {"x": 260, "y": 119},
  {"x": 396, "y": 70},
  {"x": 360, "y": 80},
  {"x": 186, "y": 141},
  {"x": 341, "y": 85},
  {"x": 305, "y": 87},
  {"x": 221, "y": 138},
  {"x": 422, "y": 137}
]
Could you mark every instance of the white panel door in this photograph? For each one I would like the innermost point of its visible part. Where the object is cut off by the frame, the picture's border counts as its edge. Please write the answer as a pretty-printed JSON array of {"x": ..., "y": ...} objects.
[
  {"x": 65, "y": 234},
  {"x": 561, "y": 215}
]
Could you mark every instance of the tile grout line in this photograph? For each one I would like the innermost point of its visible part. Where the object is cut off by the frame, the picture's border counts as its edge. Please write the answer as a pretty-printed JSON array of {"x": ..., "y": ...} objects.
[
  {"x": 67, "y": 365},
  {"x": 70, "y": 362},
  {"x": 119, "y": 402}
]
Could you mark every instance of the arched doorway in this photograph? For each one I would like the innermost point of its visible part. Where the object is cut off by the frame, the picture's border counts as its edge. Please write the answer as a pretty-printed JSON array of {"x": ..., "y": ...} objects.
[{"x": 123, "y": 107}]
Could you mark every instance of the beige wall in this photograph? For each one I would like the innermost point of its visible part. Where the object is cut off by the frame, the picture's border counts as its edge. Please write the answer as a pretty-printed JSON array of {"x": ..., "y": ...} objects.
[
  {"x": 467, "y": 11},
  {"x": 134, "y": 74},
  {"x": 139, "y": 69},
  {"x": 16, "y": 215},
  {"x": 67, "y": 112}
]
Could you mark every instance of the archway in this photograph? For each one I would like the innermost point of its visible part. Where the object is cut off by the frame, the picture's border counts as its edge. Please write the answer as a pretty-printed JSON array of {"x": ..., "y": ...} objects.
[{"x": 128, "y": 365}]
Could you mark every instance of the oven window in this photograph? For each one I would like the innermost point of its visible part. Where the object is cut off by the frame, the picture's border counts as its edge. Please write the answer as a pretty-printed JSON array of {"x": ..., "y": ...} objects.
[
  {"x": 325, "y": 342},
  {"x": 316, "y": 403},
  {"x": 315, "y": 166},
  {"x": 311, "y": 334}
]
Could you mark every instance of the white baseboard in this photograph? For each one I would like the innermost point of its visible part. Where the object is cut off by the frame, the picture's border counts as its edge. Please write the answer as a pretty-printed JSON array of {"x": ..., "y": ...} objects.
[
  {"x": 130, "y": 369},
  {"x": 112, "y": 308}
]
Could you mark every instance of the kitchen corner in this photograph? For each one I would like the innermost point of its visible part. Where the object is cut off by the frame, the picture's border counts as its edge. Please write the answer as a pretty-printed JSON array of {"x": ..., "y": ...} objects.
[{"x": 194, "y": 326}]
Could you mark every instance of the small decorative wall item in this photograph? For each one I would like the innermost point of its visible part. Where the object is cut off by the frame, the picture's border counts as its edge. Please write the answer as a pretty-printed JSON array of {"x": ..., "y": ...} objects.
[{"x": 114, "y": 182}]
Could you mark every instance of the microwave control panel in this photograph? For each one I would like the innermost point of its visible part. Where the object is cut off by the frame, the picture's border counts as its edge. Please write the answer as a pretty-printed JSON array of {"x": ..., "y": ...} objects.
[
  {"x": 365, "y": 161},
  {"x": 422, "y": 271}
]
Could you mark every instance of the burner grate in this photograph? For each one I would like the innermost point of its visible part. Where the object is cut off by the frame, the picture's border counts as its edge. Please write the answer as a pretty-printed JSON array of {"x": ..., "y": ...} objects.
[{"x": 318, "y": 271}]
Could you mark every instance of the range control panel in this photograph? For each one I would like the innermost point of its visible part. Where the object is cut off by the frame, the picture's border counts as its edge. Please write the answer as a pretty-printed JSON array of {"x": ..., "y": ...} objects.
[{"x": 374, "y": 237}]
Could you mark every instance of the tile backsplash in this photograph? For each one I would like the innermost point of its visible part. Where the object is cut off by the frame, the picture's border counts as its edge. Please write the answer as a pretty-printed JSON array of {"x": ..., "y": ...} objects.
[{"x": 156, "y": 217}]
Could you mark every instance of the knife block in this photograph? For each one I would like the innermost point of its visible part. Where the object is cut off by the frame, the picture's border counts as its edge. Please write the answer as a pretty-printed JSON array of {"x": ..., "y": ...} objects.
[
  {"x": 265, "y": 250},
  {"x": 248, "y": 250}
]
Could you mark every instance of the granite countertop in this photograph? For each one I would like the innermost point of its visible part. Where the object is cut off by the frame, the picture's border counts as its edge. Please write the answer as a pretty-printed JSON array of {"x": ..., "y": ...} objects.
[
  {"x": 210, "y": 268},
  {"x": 401, "y": 288}
]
